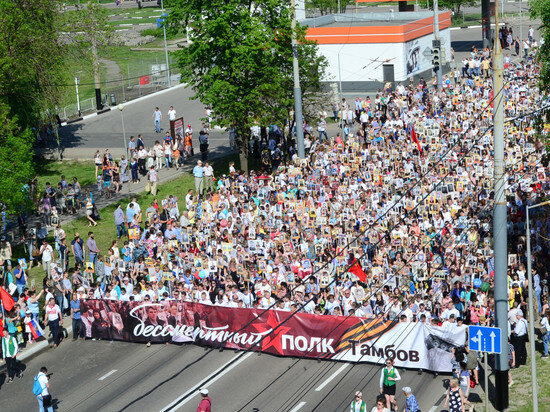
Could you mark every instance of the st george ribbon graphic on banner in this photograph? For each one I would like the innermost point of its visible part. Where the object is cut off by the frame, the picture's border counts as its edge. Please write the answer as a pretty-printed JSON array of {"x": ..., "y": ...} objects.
[{"x": 352, "y": 339}]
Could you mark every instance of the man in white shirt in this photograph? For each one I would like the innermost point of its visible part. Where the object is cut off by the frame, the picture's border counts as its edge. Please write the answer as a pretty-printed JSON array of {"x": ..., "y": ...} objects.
[
  {"x": 44, "y": 399},
  {"x": 451, "y": 310},
  {"x": 172, "y": 114},
  {"x": 264, "y": 287},
  {"x": 124, "y": 296},
  {"x": 422, "y": 311},
  {"x": 208, "y": 173},
  {"x": 137, "y": 296},
  {"x": 518, "y": 339},
  {"x": 347, "y": 300},
  {"x": 47, "y": 257}
]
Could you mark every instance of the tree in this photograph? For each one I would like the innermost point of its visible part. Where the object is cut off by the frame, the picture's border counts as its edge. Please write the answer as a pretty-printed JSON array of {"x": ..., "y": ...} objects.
[
  {"x": 455, "y": 5},
  {"x": 540, "y": 9},
  {"x": 16, "y": 162},
  {"x": 30, "y": 61},
  {"x": 240, "y": 61},
  {"x": 328, "y": 6},
  {"x": 89, "y": 28},
  {"x": 30, "y": 58}
]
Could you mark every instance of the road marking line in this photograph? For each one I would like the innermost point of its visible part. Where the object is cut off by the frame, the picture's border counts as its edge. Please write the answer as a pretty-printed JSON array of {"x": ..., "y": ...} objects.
[
  {"x": 107, "y": 375},
  {"x": 298, "y": 407},
  {"x": 209, "y": 380},
  {"x": 433, "y": 409},
  {"x": 331, "y": 377}
]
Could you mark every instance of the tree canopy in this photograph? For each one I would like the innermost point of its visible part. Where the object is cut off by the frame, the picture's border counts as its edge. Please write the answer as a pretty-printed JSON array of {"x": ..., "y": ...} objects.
[
  {"x": 89, "y": 29},
  {"x": 540, "y": 9},
  {"x": 454, "y": 5},
  {"x": 328, "y": 6},
  {"x": 30, "y": 62},
  {"x": 16, "y": 162},
  {"x": 240, "y": 60},
  {"x": 30, "y": 57}
]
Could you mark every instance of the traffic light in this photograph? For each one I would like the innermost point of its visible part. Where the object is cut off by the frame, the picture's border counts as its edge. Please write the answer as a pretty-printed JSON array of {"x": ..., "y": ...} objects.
[{"x": 436, "y": 58}]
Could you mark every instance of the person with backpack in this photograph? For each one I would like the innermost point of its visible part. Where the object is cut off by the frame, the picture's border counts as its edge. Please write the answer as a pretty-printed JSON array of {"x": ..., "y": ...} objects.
[
  {"x": 41, "y": 389},
  {"x": 205, "y": 404},
  {"x": 9, "y": 351}
]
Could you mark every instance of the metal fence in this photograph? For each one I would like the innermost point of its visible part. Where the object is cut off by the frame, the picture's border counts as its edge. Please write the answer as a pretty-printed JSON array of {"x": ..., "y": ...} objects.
[
  {"x": 71, "y": 111},
  {"x": 151, "y": 72}
]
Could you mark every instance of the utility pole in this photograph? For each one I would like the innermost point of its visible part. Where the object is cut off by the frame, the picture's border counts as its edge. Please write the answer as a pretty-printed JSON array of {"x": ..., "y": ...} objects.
[
  {"x": 520, "y": 23},
  {"x": 297, "y": 90},
  {"x": 340, "y": 108},
  {"x": 163, "y": 17},
  {"x": 486, "y": 23},
  {"x": 97, "y": 77},
  {"x": 439, "y": 69},
  {"x": 500, "y": 235},
  {"x": 121, "y": 108}
]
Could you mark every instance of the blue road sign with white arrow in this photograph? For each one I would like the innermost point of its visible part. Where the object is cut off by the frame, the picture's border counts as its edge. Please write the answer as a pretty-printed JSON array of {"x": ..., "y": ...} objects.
[{"x": 484, "y": 339}]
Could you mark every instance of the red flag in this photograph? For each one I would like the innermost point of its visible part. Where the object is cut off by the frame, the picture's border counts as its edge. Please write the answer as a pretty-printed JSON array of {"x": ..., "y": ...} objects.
[
  {"x": 358, "y": 271},
  {"x": 415, "y": 139},
  {"x": 7, "y": 299}
]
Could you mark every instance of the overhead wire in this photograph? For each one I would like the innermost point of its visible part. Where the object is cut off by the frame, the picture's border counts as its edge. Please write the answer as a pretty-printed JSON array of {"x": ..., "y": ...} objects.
[
  {"x": 292, "y": 314},
  {"x": 346, "y": 246},
  {"x": 471, "y": 148},
  {"x": 405, "y": 264},
  {"x": 355, "y": 363}
]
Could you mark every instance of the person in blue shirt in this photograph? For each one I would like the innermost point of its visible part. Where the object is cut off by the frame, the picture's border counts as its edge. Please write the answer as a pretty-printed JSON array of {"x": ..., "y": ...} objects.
[
  {"x": 20, "y": 279},
  {"x": 411, "y": 404},
  {"x": 78, "y": 326},
  {"x": 130, "y": 212},
  {"x": 126, "y": 252},
  {"x": 198, "y": 172}
]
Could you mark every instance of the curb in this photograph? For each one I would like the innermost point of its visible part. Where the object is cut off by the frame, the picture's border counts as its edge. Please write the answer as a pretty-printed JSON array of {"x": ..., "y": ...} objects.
[
  {"x": 39, "y": 347},
  {"x": 478, "y": 26}
]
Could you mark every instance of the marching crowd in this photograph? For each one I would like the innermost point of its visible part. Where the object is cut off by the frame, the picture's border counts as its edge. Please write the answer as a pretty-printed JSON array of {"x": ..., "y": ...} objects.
[{"x": 403, "y": 194}]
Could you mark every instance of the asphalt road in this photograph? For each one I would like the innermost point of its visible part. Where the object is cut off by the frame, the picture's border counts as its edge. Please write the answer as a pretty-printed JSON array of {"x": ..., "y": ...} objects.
[
  {"x": 104, "y": 376},
  {"x": 81, "y": 139}
]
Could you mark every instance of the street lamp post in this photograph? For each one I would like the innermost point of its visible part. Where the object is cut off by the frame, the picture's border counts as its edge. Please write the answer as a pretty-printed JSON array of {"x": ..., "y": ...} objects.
[
  {"x": 438, "y": 74},
  {"x": 520, "y": 20},
  {"x": 532, "y": 309},
  {"x": 340, "y": 107},
  {"x": 121, "y": 108},
  {"x": 76, "y": 81}
]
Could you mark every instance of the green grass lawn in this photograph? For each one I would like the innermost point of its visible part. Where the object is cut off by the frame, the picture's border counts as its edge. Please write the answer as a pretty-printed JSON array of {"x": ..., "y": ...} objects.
[
  {"x": 133, "y": 62},
  {"x": 51, "y": 171},
  {"x": 521, "y": 391},
  {"x": 105, "y": 231}
]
